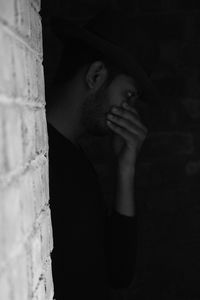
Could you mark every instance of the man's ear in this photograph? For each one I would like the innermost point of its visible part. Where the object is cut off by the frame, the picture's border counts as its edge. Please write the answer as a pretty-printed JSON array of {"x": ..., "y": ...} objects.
[{"x": 96, "y": 75}]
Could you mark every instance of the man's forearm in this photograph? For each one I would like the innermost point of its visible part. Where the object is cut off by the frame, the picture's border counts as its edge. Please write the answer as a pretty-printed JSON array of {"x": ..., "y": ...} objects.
[
  {"x": 122, "y": 233},
  {"x": 124, "y": 199}
]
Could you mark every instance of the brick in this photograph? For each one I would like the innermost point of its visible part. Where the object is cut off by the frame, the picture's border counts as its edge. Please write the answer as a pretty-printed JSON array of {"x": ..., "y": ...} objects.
[
  {"x": 32, "y": 71},
  {"x": 28, "y": 74},
  {"x": 21, "y": 70},
  {"x": 28, "y": 79},
  {"x": 27, "y": 202},
  {"x": 3, "y": 158},
  {"x": 48, "y": 279},
  {"x": 46, "y": 234},
  {"x": 18, "y": 277},
  {"x": 36, "y": 4},
  {"x": 46, "y": 180},
  {"x": 38, "y": 189},
  {"x": 40, "y": 185},
  {"x": 7, "y": 11},
  {"x": 23, "y": 17},
  {"x": 6, "y": 62},
  {"x": 40, "y": 82},
  {"x": 28, "y": 247},
  {"x": 39, "y": 294},
  {"x": 51, "y": 242},
  {"x": 10, "y": 220},
  {"x": 36, "y": 258},
  {"x": 5, "y": 286},
  {"x": 12, "y": 137},
  {"x": 28, "y": 134},
  {"x": 41, "y": 131},
  {"x": 44, "y": 175},
  {"x": 36, "y": 30},
  {"x": 23, "y": 134}
]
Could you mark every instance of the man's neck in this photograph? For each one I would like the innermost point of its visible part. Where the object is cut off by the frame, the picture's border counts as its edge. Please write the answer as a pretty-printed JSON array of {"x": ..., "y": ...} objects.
[{"x": 65, "y": 121}]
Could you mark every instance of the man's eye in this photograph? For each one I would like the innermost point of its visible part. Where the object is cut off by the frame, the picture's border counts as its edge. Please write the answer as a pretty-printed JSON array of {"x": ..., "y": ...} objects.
[{"x": 131, "y": 95}]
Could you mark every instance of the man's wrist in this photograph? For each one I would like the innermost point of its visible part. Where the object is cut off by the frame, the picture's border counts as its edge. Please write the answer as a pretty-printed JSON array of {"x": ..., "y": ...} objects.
[
  {"x": 126, "y": 172},
  {"x": 125, "y": 202}
]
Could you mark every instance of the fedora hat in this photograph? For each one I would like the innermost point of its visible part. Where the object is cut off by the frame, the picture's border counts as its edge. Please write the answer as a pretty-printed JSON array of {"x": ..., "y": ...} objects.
[{"x": 111, "y": 34}]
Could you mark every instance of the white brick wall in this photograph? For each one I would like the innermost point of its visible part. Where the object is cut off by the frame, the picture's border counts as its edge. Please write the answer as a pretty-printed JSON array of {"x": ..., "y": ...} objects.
[{"x": 26, "y": 239}]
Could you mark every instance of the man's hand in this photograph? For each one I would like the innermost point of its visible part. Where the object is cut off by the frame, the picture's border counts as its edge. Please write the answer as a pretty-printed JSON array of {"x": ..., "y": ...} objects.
[{"x": 130, "y": 133}]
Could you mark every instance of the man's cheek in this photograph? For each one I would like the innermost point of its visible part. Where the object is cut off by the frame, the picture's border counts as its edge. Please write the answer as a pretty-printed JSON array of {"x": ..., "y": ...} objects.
[{"x": 115, "y": 100}]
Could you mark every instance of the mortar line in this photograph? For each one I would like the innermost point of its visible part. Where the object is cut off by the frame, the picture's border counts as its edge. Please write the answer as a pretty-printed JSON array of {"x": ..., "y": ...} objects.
[
  {"x": 12, "y": 176},
  {"x": 20, "y": 245},
  {"x": 19, "y": 37},
  {"x": 8, "y": 100}
]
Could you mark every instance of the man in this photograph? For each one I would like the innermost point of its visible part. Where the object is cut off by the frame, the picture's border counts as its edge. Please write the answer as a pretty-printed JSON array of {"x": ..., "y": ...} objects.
[{"x": 92, "y": 93}]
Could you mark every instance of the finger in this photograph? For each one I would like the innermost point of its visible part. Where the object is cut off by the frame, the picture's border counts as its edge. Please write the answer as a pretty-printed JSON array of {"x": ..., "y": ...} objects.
[
  {"x": 135, "y": 109},
  {"x": 130, "y": 115},
  {"x": 135, "y": 128},
  {"x": 120, "y": 131},
  {"x": 128, "y": 132},
  {"x": 125, "y": 105}
]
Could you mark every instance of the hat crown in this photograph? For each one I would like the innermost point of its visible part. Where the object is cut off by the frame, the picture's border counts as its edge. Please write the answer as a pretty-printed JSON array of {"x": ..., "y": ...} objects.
[
  {"x": 114, "y": 27},
  {"x": 117, "y": 36},
  {"x": 122, "y": 30}
]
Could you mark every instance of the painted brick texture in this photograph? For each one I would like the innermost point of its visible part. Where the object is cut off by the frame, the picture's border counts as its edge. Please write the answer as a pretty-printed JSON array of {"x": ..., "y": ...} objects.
[{"x": 26, "y": 239}]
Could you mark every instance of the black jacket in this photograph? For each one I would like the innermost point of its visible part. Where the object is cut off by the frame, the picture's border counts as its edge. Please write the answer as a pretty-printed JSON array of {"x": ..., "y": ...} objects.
[{"x": 92, "y": 251}]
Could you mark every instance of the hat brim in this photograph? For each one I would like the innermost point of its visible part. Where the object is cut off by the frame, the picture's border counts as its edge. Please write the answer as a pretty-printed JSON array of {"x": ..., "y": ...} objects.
[{"x": 63, "y": 29}]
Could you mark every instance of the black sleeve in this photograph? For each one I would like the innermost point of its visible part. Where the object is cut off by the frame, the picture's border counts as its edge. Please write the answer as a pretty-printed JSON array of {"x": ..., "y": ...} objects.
[
  {"x": 78, "y": 260},
  {"x": 120, "y": 249}
]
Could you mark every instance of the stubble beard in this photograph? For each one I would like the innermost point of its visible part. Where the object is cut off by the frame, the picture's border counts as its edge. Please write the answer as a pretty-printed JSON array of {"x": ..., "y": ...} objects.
[{"x": 94, "y": 114}]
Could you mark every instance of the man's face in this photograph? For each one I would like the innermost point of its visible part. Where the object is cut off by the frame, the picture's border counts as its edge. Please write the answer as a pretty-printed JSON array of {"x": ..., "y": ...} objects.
[{"x": 122, "y": 88}]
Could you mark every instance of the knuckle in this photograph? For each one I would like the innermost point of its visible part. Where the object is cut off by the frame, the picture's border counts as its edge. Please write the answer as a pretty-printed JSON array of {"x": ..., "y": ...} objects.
[{"x": 123, "y": 112}]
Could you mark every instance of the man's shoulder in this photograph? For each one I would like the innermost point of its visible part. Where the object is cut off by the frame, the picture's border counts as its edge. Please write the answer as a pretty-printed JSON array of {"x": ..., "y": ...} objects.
[
  {"x": 58, "y": 142},
  {"x": 62, "y": 150}
]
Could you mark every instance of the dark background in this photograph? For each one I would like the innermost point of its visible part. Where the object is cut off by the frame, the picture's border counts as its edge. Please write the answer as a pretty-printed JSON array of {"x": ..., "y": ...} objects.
[{"x": 168, "y": 169}]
